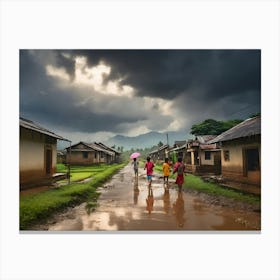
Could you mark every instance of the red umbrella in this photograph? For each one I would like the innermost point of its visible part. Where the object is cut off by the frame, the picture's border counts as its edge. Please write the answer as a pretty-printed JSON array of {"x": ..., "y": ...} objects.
[{"x": 135, "y": 155}]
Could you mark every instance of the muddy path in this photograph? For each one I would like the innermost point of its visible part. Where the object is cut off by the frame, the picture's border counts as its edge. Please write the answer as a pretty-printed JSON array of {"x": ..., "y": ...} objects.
[{"x": 126, "y": 204}]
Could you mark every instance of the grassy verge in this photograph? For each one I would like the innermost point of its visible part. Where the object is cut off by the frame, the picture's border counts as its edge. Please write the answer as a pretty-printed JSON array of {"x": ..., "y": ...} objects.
[
  {"x": 196, "y": 183},
  {"x": 37, "y": 207},
  {"x": 79, "y": 173}
]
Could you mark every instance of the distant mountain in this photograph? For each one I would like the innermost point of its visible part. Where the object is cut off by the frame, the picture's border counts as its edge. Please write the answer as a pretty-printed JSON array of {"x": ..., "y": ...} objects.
[{"x": 146, "y": 140}]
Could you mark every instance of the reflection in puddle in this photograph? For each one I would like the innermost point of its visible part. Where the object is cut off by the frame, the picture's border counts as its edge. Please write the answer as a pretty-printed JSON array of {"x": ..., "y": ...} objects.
[
  {"x": 150, "y": 201},
  {"x": 179, "y": 210},
  {"x": 131, "y": 205},
  {"x": 166, "y": 200},
  {"x": 135, "y": 191}
]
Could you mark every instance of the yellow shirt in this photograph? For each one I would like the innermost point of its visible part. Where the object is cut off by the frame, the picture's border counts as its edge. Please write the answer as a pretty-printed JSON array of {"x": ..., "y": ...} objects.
[{"x": 166, "y": 169}]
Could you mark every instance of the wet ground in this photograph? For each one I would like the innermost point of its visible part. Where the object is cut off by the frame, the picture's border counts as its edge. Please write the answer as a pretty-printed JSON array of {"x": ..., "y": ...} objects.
[{"x": 126, "y": 203}]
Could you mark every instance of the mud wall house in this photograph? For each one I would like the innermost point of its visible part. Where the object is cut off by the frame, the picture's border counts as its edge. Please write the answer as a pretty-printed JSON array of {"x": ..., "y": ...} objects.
[
  {"x": 87, "y": 153},
  {"x": 202, "y": 157},
  {"x": 160, "y": 153},
  {"x": 61, "y": 157},
  {"x": 116, "y": 155},
  {"x": 241, "y": 152},
  {"x": 38, "y": 154}
]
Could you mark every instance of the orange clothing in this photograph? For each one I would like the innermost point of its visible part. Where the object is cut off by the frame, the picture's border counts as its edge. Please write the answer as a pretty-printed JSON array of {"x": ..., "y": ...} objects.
[{"x": 166, "y": 169}]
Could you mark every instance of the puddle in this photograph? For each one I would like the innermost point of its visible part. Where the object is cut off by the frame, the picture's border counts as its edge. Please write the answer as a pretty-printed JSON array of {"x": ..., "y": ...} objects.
[{"x": 128, "y": 204}]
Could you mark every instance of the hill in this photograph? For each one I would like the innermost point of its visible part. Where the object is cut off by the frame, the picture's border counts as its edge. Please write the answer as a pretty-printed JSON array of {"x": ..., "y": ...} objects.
[{"x": 146, "y": 140}]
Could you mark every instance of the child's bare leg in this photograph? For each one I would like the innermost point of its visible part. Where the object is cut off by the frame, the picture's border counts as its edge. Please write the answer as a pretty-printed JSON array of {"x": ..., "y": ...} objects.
[{"x": 180, "y": 188}]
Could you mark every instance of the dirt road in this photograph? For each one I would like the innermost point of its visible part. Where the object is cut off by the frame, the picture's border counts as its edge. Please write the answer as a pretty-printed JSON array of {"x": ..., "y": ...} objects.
[{"x": 127, "y": 204}]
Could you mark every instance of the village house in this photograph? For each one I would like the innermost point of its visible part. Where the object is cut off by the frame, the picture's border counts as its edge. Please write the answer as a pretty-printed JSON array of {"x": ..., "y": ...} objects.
[
  {"x": 241, "y": 152},
  {"x": 61, "y": 157},
  {"x": 160, "y": 153},
  {"x": 117, "y": 154},
  {"x": 38, "y": 154},
  {"x": 178, "y": 150},
  {"x": 89, "y": 153},
  {"x": 202, "y": 157}
]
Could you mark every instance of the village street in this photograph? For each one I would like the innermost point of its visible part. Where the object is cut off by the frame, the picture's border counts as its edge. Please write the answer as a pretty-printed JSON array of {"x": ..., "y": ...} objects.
[{"x": 126, "y": 204}]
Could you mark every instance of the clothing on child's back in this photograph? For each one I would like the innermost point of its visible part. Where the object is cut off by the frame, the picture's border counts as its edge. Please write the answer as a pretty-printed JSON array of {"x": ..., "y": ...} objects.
[
  {"x": 149, "y": 166},
  {"x": 166, "y": 169}
]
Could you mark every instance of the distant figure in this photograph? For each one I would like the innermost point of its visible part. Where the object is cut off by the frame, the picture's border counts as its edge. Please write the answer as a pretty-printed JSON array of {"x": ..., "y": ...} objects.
[
  {"x": 179, "y": 168},
  {"x": 149, "y": 167},
  {"x": 166, "y": 171},
  {"x": 150, "y": 201},
  {"x": 135, "y": 167}
]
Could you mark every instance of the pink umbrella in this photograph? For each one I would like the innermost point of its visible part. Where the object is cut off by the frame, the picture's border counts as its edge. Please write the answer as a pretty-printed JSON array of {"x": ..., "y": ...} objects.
[{"x": 135, "y": 155}]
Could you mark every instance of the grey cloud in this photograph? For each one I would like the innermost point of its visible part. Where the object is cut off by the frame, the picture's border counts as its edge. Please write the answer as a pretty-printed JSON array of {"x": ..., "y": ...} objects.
[{"x": 201, "y": 83}]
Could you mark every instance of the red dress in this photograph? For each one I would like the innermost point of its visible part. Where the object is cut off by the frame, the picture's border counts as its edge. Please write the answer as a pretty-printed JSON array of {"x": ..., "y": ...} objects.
[{"x": 180, "y": 175}]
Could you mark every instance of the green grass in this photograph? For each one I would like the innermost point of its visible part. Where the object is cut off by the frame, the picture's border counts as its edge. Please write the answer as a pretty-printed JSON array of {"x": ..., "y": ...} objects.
[
  {"x": 196, "y": 183},
  {"x": 37, "y": 207},
  {"x": 78, "y": 173}
]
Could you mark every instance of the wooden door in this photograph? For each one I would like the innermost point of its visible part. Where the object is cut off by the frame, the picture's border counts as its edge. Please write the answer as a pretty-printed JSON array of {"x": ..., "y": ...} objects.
[{"x": 48, "y": 161}]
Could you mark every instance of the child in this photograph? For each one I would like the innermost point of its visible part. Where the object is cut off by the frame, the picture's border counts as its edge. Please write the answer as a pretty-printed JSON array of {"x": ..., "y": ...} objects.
[
  {"x": 180, "y": 169},
  {"x": 149, "y": 166},
  {"x": 166, "y": 170},
  {"x": 135, "y": 167}
]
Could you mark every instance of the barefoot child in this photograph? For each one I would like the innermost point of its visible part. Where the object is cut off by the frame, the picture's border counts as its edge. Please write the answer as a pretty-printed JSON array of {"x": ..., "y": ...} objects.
[
  {"x": 149, "y": 166},
  {"x": 135, "y": 167},
  {"x": 166, "y": 170},
  {"x": 180, "y": 169}
]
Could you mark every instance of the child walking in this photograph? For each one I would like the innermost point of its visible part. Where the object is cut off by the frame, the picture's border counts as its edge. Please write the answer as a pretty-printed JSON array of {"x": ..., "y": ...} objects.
[
  {"x": 135, "y": 167},
  {"x": 149, "y": 167},
  {"x": 180, "y": 169},
  {"x": 166, "y": 170}
]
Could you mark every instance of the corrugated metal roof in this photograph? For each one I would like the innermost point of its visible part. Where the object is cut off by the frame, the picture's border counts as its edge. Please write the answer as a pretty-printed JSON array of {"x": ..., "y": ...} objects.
[
  {"x": 108, "y": 148},
  {"x": 35, "y": 127},
  {"x": 205, "y": 138},
  {"x": 89, "y": 147},
  {"x": 246, "y": 128},
  {"x": 178, "y": 148},
  {"x": 100, "y": 148},
  {"x": 159, "y": 149}
]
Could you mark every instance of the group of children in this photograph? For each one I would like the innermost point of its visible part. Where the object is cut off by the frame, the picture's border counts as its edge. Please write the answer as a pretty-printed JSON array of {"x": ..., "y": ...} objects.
[{"x": 178, "y": 168}]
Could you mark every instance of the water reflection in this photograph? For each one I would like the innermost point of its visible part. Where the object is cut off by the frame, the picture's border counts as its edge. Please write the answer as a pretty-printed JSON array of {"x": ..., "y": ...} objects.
[
  {"x": 136, "y": 192},
  {"x": 166, "y": 200},
  {"x": 150, "y": 201},
  {"x": 179, "y": 210}
]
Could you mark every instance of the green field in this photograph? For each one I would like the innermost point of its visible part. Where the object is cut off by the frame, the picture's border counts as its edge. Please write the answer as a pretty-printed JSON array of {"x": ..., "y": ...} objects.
[{"x": 36, "y": 208}]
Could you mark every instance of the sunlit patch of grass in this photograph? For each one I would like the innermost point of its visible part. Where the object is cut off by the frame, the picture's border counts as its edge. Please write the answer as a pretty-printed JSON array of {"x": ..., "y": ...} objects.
[
  {"x": 79, "y": 173},
  {"x": 37, "y": 207}
]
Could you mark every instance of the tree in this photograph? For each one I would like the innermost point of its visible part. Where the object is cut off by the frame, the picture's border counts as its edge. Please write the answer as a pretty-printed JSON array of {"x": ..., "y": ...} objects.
[
  {"x": 213, "y": 127},
  {"x": 160, "y": 144}
]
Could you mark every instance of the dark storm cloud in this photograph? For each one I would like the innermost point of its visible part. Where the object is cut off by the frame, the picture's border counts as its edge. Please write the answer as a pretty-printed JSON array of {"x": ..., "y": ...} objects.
[
  {"x": 168, "y": 73},
  {"x": 42, "y": 100},
  {"x": 201, "y": 84}
]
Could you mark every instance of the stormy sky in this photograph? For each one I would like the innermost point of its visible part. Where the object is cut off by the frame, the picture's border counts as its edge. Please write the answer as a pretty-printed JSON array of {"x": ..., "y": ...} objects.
[{"x": 96, "y": 94}]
